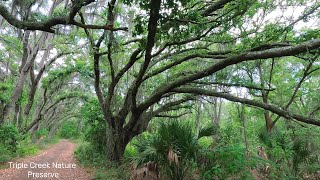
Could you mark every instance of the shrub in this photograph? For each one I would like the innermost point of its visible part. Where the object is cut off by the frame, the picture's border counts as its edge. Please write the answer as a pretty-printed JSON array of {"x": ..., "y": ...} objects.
[
  {"x": 26, "y": 150},
  {"x": 130, "y": 151},
  {"x": 95, "y": 131},
  {"x": 9, "y": 137},
  {"x": 5, "y": 154},
  {"x": 69, "y": 130},
  {"x": 224, "y": 162},
  {"x": 88, "y": 155},
  {"x": 26, "y": 147},
  {"x": 41, "y": 133},
  {"x": 174, "y": 147}
]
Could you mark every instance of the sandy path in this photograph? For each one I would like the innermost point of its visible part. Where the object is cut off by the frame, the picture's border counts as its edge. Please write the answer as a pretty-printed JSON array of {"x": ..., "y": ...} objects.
[{"x": 57, "y": 162}]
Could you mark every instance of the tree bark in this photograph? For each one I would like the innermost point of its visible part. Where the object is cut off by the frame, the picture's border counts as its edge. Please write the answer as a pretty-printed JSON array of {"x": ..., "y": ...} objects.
[
  {"x": 23, "y": 75},
  {"x": 198, "y": 118},
  {"x": 35, "y": 80},
  {"x": 53, "y": 130},
  {"x": 117, "y": 140},
  {"x": 265, "y": 96}
]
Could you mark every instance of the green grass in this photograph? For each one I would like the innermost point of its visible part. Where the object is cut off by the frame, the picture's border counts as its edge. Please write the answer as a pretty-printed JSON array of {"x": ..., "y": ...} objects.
[
  {"x": 27, "y": 150},
  {"x": 24, "y": 148}
]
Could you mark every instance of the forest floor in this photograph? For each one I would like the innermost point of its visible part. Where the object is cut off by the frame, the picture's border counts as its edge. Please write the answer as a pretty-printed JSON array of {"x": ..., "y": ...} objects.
[{"x": 56, "y": 162}]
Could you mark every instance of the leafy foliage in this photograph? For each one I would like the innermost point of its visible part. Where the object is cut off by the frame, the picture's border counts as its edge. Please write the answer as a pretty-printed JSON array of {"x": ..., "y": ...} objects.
[
  {"x": 95, "y": 127},
  {"x": 223, "y": 162},
  {"x": 88, "y": 155},
  {"x": 137, "y": 74},
  {"x": 9, "y": 137},
  {"x": 69, "y": 130},
  {"x": 174, "y": 146}
]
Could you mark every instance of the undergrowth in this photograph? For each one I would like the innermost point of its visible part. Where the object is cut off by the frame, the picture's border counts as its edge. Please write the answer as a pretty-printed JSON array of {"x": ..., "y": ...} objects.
[
  {"x": 15, "y": 145},
  {"x": 93, "y": 158}
]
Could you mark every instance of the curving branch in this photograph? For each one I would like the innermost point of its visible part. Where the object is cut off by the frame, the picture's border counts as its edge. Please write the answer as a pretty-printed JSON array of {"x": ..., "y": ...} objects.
[
  {"x": 28, "y": 25},
  {"x": 233, "y": 85},
  {"x": 172, "y": 116},
  {"x": 36, "y": 81},
  {"x": 175, "y": 63},
  {"x": 47, "y": 25},
  {"x": 171, "y": 54},
  {"x": 247, "y": 56},
  {"x": 182, "y": 42},
  {"x": 281, "y": 112},
  {"x": 151, "y": 39},
  {"x": 314, "y": 111},
  {"x": 119, "y": 75},
  {"x": 168, "y": 106},
  {"x": 306, "y": 73},
  {"x": 215, "y": 6}
]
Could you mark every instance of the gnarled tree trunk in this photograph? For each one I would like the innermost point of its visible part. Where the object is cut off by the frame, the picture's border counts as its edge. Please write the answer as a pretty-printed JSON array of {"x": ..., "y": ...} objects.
[{"x": 116, "y": 144}]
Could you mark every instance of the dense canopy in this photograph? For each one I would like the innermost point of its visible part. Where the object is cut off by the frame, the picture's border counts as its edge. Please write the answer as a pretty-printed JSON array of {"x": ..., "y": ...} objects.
[{"x": 123, "y": 64}]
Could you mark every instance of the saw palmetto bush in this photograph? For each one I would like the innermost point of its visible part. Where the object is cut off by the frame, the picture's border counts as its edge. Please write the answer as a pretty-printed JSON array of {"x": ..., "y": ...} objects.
[
  {"x": 174, "y": 147},
  {"x": 292, "y": 154}
]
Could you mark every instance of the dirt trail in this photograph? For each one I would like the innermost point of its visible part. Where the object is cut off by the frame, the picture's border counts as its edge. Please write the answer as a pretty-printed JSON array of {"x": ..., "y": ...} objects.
[{"x": 56, "y": 162}]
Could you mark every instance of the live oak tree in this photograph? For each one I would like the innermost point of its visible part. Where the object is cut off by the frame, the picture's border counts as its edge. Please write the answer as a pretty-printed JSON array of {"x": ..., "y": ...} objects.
[
  {"x": 31, "y": 67},
  {"x": 152, "y": 57},
  {"x": 51, "y": 102}
]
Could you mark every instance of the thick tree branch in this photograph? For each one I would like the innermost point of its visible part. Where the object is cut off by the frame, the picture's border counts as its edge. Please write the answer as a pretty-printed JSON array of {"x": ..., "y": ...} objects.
[
  {"x": 269, "y": 46},
  {"x": 27, "y": 25},
  {"x": 111, "y": 37},
  {"x": 47, "y": 25},
  {"x": 272, "y": 108},
  {"x": 172, "y": 116},
  {"x": 132, "y": 60},
  {"x": 132, "y": 124},
  {"x": 96, "y": 69},
  {"x": 175, "y": 63},
  {"x": 152, "y": 30},
  {"x": 248, "y": 56},
  {"x": 215, "y": 6},
  {"x": 168, "y": 106}
]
